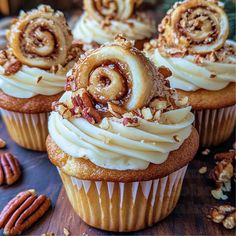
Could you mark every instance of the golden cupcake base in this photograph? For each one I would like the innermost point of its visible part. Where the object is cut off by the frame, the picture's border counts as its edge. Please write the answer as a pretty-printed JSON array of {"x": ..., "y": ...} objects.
[
  {"x": 27, "y": 130},
  {"x": 124, "y": 207},
  {"x": 215, "y": 125}
]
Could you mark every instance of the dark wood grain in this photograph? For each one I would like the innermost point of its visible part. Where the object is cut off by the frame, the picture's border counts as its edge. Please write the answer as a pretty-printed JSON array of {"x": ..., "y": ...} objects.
[{"x": 37, "y": 173}]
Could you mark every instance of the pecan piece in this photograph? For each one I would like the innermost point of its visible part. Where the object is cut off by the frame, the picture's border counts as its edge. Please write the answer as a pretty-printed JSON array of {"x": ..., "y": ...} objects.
[
  {"x": 82, "y": 99},
  {"x": 10, "y": 170},
  {"x": 225, "y": 214},
  {"x": 130, "y": 122},
  {"x": 23, "y": 211},
  {"x": 2, "y": 143},
  {"x": 12, "y": 67}
]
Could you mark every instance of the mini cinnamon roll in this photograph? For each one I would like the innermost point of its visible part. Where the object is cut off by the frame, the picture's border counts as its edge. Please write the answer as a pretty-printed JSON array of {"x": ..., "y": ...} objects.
[
  {"x": 199, "y": 25},
  {"x": 40, "y": 38},
  {"x": 118, "y": 9},
  {"x": 118, "y": 73}
]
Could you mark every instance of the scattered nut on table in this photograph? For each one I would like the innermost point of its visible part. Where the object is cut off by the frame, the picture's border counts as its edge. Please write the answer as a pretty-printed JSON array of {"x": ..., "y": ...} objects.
[
  {"x": 23, "y": 211},
  {"x": 2, "y": 143},
  {"x": 222, "y": 174},
  {"x": 225, "y": 214},
  {"x": 10, "y": 170},
  {"x": 202, "y": 170}
]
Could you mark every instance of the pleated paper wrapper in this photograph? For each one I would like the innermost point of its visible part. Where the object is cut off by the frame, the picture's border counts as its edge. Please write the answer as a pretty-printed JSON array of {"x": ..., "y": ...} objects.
[
  {"x": 215, "y": 125},
  {"x": 27, "y": 130},
  {"x": 124, "y": 207}
]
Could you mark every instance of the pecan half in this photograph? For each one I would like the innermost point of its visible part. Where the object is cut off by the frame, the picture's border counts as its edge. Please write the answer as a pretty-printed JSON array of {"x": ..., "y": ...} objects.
[
  {"x": 10, "y": 170},
  {"x": 23, "y": 211}
]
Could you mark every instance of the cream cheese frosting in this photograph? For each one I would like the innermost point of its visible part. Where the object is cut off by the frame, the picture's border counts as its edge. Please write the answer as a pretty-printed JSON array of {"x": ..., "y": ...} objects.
[
  {"x": 29, "y": 81},
  {"x": 89, "y": 30},
  {"x": 117, "y": 146},
  {"x": 190, "y": 76}
]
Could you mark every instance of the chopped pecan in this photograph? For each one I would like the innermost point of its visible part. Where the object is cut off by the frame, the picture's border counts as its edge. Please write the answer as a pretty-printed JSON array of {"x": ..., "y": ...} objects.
[
  {"x": 2, "y": 143},
  {"x": 3, "y": 57},
  {"x": 164, "y": 71},
  {"x": 147, "y": 113},
  {"x": 225, "y": 156},
  {"x": 225, "y": 214},
  {"x": 82, "y": 99},
  {"x": 115, "y": 110},
  {"x": 130, "y": 122},
  {"x": 23, "y": 211},
  {"x": 12, "y": 67},
  {"x": 10, "y": 170}
]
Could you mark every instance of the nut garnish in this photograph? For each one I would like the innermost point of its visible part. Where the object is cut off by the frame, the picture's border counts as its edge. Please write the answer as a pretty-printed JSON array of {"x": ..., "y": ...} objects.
[
  {"x": 48, "y": 234},
  {"x": 10, "y": 170},
  {"x": 147, "y": 113},
  {"x": 225, "y": 214},
  {"x": 66, "y": 232},
  {"x": 81, "y": 99},
  {"x": 12, "y": 67},
  {"x": 2, "y": 143},
  {"x": 222, "y": 174},
  {"x": 206, "y": 152},
  {"x": 202, "y": 170},
  {"x": 23, "y": 211},
  {"x": 130, "y": 122}
]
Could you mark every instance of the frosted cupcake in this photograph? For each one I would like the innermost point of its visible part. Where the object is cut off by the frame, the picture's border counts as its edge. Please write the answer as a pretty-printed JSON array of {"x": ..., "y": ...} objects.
[
  {"x": 32, "y": 73},
  {"x": 121, "y": 139},
  {"x": 193, "y": 44},
  {"x": 103, "y": 20}
]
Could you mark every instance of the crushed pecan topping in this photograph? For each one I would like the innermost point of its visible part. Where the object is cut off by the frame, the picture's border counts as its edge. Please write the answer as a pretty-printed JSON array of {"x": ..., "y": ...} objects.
[
  {"x": 81, "y": 99},
  {"x": 2, "y": 143},
  {"x": 130, "y": 122},
  {"x": 12, "y": 67},
  {"x": 225, "y": 214},
  {"x": 23, "y": 211},
  {"x": 10, "y": 170}
]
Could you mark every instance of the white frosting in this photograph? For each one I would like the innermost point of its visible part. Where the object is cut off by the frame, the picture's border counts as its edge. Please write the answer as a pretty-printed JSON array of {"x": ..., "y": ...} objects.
[
  {"x": 120, "y": 147},
  {"x": 189, "y": 76},
  {"x": 23, "y": 84},
  {"x": 89, "y": 30}
]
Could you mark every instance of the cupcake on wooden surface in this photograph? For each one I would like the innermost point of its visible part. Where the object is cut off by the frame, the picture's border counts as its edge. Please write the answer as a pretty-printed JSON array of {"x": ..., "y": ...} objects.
[
  {"x": 193, "y": 43},
  {"x": 33, "y": 66},
  {"x": 103, "y": 20},
  {"x": 121, "y": 139}
]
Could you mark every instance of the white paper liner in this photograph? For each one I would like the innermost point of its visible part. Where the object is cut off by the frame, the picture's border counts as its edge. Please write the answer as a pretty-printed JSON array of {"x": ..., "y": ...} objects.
[
  {"x": 124, "y": 207},
  {"x": 27, "y": 130},
  {"x": 215, "y": 125}
]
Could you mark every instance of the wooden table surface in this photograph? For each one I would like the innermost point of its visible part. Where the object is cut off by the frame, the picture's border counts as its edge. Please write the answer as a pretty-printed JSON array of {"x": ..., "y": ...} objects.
[{"x": 189, "y": 217}]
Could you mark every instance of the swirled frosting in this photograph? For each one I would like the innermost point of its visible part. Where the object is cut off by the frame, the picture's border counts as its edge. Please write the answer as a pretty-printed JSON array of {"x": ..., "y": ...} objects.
[
  {"x": 120, "y": 147},
  {"x": 188, "y": 75},
  {"x": 89, "y": 30},
  {"x": 28, "y": 82}
]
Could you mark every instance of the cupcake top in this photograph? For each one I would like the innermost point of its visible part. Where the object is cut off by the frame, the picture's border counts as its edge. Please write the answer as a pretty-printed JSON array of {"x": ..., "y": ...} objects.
[
  {"x": 193, "y": 43},
  {"x": 119, "y": 111},
  {"x": 39, "y": 52},
  {"x": 103, "y": 20}
]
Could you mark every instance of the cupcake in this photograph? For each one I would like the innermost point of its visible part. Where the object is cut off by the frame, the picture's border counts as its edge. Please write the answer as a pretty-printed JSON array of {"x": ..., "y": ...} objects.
[
  {"x": 193, "y": 43},
  {"x": 121, "y": 139},
  {"x": 33, "y": 66},
  {"x": 103, "y": 20}
]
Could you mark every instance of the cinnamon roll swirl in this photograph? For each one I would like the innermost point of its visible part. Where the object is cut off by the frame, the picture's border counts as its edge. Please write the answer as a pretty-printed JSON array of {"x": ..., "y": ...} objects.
[
  {"x": 40, "y": 38},
  {"x": 118, "y": 73},
  {"x": 200, "y": 26},
  {"x": 117, "y": 9}
]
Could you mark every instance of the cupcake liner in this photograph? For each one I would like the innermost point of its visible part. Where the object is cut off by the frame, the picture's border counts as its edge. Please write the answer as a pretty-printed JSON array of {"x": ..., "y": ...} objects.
[
  {"x": 27, "y": 130},
  {"x": 123, "y": 207},
  {"x": 215, "y": 125}
]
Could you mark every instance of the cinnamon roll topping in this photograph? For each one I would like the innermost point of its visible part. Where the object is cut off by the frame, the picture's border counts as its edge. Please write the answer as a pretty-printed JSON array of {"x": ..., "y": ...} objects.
[
  {"x": 40, "y": 38},
  {"x": 115, "y": 79},
  {"x": 200, "y": 26}
]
